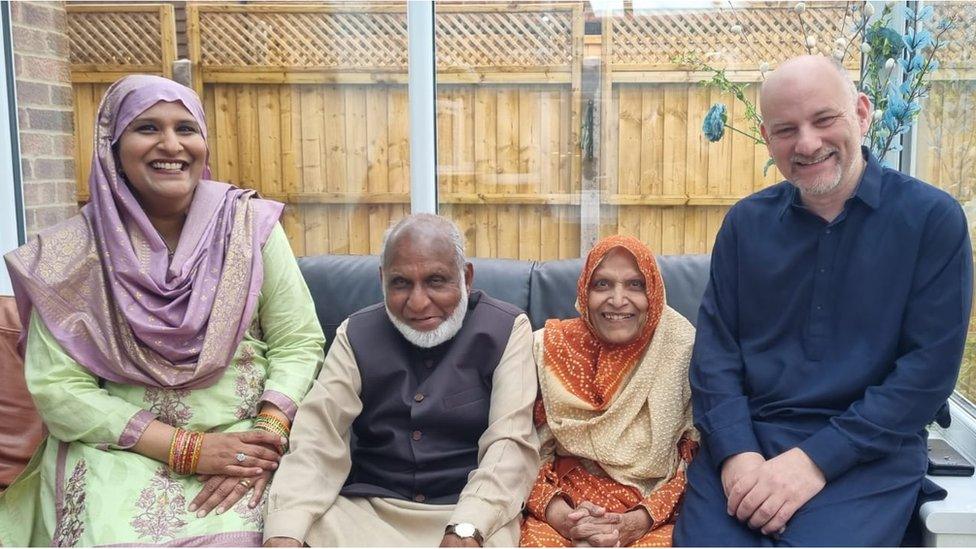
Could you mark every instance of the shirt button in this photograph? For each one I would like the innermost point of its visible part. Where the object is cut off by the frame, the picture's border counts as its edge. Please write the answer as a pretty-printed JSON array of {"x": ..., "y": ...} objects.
[
  {"x": 420, "y": 498},
  {"x": 419, "y": 397},
  {"x": 819, "y": 307},
  {"x": 416, "y": 435},
  {"x": 823, "y": 270},
  {"x": 428, "y": 363},
  {"x": 827, "y": 231}
]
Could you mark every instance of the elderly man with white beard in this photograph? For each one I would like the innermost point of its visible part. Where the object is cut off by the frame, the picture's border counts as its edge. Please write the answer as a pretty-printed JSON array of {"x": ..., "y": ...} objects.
[{"x": 418, "y": 431}]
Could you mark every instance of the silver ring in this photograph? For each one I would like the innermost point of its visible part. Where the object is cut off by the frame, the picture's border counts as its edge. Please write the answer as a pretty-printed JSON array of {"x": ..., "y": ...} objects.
[{"x": 240, "y": 457}]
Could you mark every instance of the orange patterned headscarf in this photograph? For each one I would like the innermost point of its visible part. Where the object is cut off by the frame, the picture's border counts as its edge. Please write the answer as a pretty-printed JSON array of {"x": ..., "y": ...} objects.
[{"x": 587, "y": 366}]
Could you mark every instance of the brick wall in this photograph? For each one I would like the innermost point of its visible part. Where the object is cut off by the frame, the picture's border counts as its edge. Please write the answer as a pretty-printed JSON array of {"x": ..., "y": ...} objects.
[{"x": 44, "y": 101}]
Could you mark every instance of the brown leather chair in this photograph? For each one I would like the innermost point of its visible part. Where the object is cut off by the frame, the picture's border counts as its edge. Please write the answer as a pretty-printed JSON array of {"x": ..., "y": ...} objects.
[{"x": 21, "y": 429}]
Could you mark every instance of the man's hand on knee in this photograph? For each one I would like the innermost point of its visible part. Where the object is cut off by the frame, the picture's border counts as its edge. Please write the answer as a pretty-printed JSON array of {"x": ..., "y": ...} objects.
[{"x": 767, "y": 497}]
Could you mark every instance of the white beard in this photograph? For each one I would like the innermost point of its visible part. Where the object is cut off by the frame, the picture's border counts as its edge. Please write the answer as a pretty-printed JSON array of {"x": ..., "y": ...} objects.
[{"x": 448, "y": 329}]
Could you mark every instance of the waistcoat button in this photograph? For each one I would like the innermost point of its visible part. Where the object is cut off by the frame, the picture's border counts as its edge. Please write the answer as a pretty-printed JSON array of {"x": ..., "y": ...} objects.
[{"x": 417, "y": 435}]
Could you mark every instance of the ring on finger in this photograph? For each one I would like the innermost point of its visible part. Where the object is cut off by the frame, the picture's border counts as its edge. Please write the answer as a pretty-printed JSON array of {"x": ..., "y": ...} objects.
[
  {"x": 245, "y": 482},
  {"x": 240, "y": 457}
]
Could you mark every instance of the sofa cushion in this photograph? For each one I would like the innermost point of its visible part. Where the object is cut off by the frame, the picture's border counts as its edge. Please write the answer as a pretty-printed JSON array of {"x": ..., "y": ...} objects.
[
  {"x": 21, "y": 429},
  {"x": 343, "y": 284}
]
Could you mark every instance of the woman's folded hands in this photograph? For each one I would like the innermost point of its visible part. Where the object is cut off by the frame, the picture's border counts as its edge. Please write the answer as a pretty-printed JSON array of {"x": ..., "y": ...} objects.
[{"x": 592, "y": 524}]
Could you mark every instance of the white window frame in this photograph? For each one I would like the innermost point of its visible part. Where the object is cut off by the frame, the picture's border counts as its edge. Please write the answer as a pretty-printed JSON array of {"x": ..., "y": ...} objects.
[
  {"x": 422, "y": 90},
  {"x": 12, "y": 226}
]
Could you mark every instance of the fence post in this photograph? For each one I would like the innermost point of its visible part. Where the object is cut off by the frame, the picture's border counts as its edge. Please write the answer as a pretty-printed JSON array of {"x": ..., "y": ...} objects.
[
  {"x": 193, "y": 46},
  {"x": 167, "y": 38}
]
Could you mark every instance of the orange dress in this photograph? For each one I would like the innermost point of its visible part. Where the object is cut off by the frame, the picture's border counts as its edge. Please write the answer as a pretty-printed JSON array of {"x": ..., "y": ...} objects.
[{"x": 568, "y": 477}]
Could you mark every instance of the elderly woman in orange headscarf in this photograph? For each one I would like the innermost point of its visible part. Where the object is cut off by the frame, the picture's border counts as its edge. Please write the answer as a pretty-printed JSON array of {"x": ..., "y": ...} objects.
[{"x": 614, "y": 413}]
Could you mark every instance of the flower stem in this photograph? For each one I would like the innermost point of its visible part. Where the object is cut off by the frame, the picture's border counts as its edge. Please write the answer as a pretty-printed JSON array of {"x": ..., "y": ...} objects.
[{"x": 753, "y": 137}]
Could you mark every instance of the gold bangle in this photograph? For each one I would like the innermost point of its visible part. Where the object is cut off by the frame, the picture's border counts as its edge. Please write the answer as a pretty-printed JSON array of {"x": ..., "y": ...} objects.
[
  {"x": 271, "y": 421},
  {"x": 271, "y": 424},
  {"x": 195, "y": 455},
  {"x": 171, "y": 460}
]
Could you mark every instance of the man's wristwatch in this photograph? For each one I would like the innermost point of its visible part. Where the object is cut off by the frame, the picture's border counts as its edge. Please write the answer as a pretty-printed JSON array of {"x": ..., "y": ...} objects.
[{"x": 465, "y": 530}]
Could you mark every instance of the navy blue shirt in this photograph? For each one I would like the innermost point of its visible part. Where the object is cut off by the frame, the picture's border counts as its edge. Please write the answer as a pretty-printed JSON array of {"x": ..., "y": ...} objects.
[{"x": 843, "y": 337}]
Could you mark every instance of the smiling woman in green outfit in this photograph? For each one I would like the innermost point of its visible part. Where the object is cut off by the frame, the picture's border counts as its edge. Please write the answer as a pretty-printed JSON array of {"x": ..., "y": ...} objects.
[{"x": 170, "y": 337}]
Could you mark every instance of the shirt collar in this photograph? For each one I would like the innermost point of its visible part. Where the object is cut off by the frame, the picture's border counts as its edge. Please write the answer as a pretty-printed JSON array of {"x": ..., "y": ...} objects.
[{"x": 868, "y": 189}]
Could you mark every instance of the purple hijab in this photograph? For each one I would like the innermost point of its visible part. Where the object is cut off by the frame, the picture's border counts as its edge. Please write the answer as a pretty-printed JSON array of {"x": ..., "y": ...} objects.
[{"x": 103, "y": 281}]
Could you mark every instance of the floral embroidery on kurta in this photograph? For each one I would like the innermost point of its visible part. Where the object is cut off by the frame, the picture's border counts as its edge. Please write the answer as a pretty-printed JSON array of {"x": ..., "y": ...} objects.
[
  {"x": 169, "y": 405},
  {"x": 160, "y": 507},
  {"x": 71, "y": 526},
  {"x": 251, "y": 516},
  {"x": 249, "y": 383}
]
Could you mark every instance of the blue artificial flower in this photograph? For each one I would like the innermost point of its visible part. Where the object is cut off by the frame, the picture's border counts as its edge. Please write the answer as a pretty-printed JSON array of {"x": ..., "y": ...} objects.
[
  {"x": 917, "y": 40},
  {"x": 714, "y": 124},
  {"x": 945, "y": 24},
  {"x": 911, "y": 65},
  {"x": 925, "y": 13},
  {"x": 897, "y": 111}
]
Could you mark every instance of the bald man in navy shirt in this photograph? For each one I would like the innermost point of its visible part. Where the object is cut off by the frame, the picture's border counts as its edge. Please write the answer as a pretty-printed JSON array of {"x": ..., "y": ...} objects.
[{"x": 829, "y": 336}]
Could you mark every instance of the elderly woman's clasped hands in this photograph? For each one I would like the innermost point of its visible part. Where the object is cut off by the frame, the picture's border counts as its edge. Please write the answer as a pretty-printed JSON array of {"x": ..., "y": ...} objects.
[{"x": 590, "y": 524}]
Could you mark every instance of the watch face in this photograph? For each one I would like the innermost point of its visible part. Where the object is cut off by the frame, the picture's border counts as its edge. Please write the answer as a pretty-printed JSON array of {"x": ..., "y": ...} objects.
[{"x": 464, "y": 530}]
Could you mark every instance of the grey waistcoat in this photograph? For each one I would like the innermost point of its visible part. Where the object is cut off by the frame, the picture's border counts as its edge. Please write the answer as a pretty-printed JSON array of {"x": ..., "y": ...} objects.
[{"x": 423, "y": 409}]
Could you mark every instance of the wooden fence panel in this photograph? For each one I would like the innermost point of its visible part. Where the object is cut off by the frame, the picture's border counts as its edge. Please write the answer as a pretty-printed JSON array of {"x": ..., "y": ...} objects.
[{"x": 335, "y": 154}]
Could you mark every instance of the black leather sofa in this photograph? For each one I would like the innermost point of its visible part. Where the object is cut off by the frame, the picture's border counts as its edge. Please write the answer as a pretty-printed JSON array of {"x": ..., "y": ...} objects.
[{"x": 343, "y": 284}]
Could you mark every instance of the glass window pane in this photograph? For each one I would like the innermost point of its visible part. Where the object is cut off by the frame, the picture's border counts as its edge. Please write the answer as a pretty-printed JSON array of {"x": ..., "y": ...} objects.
[
  {"x": 508, "y": 118},
  {"x": 559, "y": 124},
  {"x": 307, "y": 103},
  {"x": 945, "y": 141},
  {"x": 661, "y": 179}
]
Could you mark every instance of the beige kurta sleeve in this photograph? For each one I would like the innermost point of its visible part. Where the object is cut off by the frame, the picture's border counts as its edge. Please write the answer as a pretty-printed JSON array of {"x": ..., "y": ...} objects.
[
  {"x": 508, "y": 451},
  {"x": 312, "y": 473}
]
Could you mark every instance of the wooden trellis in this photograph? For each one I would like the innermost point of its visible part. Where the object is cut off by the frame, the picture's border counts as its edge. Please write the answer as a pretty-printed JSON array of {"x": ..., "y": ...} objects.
[
  {"x": 643, "y": 41},
  {"x": 111, "y": 40},
  {"x": 354, "y": 43},
  {"x": 958, "y": 59}
]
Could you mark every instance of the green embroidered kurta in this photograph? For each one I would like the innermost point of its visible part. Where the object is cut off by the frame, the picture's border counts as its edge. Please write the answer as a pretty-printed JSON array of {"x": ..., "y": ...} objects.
[{"x": 83, "y": 487}]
